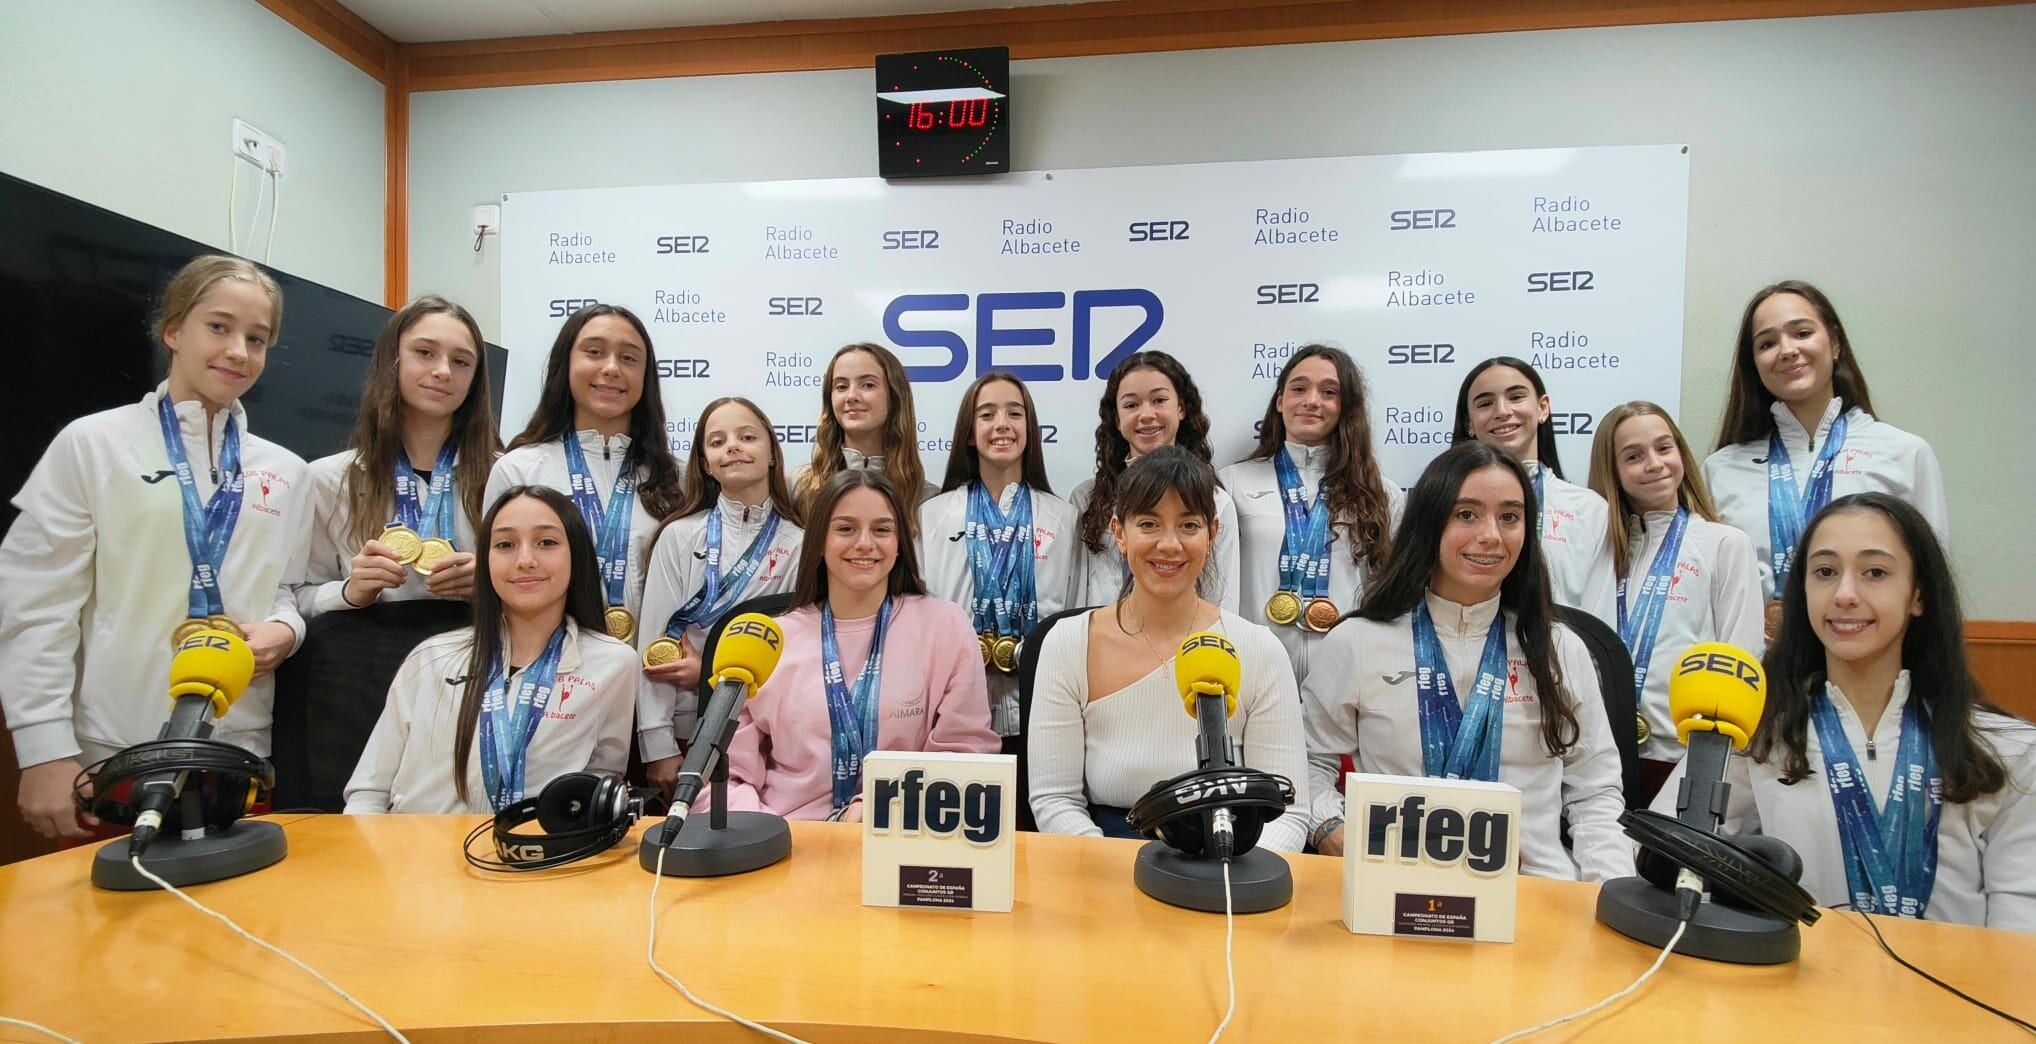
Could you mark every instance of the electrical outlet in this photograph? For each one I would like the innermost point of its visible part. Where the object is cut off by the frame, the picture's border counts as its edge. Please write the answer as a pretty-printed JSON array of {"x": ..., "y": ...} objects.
[{"x": 258, "y": 147}]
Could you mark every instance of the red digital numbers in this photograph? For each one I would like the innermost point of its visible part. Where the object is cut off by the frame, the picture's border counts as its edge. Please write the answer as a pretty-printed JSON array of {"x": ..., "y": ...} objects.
[{"x": 964, "y": 112}]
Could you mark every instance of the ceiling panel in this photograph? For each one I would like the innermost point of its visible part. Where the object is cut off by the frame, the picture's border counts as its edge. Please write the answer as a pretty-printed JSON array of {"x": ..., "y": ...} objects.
[{"x": 412, "y": 21}]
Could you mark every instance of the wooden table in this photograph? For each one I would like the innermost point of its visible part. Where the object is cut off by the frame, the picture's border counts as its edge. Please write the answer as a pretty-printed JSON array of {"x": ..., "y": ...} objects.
[{"x": 385, "y": 906}]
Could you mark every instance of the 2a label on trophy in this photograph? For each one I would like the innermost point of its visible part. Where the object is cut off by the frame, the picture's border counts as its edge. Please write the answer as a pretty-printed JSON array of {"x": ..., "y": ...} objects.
[
  {"x": 938, "y": 830},
  {"x": 952, "y": 887}
]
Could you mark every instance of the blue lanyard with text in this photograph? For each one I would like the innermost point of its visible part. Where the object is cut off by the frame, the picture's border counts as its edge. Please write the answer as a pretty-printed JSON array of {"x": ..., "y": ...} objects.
[
  {"x": 1540, "y": 499},
  {"x": 1304, "y": 550},
  {"x": 1890, "y": 855},
  {"x": 1005, "y": 599},
  {"x": 610, "y": 524},
  {"x": 1789, "y": 510},
  {"x": 1639, "y": 627},
  {"x": 851, "y": 713},
  {"x": 1460, "y": 742},
  {"x": 507, "y": 724},
  {"x": 208, "y": 528},
  {"x": 434, "y": 518},
  {"x": 717, "y": 594}
]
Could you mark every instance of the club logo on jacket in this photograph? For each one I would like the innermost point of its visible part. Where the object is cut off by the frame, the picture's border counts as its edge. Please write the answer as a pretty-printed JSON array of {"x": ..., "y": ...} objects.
[
  {"x": 1555, "y": 517},
  {"x": 566, "y": 691},
  {"x": 1849, "y": 458},
  {"x": 1690, "y": 570},
  {"x": 774, "y": 562},
  {"x": 266, "y": 484},
  {"x": 1513, "y": 693},
  {"x": 1042, "y": 539}
]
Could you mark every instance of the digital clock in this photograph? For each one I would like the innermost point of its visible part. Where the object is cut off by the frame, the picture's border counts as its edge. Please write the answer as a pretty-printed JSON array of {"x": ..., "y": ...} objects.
[{"x": 941, "y": 113}]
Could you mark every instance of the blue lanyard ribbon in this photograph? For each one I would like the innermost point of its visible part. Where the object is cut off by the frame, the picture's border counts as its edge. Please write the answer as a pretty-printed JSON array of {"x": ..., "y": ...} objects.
[
  {"x": 434, "y": 519},
  {"x": 610, "y": 524},
  {"x": 1540, "y": 498},
  {"x": 717, "y": 595},
  {"x": 1639, "y": 627},
  {"x": 1788, "y": 510},
  {"x": 1890, "y": 855},
  {"x": 508, "y": 723},
  {"x": 1460, "y": 742},
  {"x": 208, "y": 528},
  {"x": 1000, "y": 554},
  {"x": 1304, "y": 550},
  {"x": 851, "y": 713}
]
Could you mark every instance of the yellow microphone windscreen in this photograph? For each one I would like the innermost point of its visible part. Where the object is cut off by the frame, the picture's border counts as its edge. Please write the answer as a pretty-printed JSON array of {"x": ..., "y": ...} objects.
[
  {"x": 748, "y": 650},
  {"x": 1717, "y": 687},
  {"x": 214, "y": 664},
  {"x": 1206, "y": 665}
]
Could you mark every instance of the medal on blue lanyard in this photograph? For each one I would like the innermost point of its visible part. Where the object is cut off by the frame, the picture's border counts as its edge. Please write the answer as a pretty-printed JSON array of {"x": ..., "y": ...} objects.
[
  {"x": 1459, "y": 742},
  {"x": 208, "y": 527},
  {"x": 1004, "y": 603},
  {"x": 1789, "y": 510},
  {"x": 718, "y": 594},
  {"x": 1304, "y": 553},
  {"x": 429, "y": 527},
  {"x": 1639, "y": 626},
  {"x": 508, "y": 722},
  {"x": 1890, "y": 855},
  {"x": 851, "y": 713},
  {"x": 611, "y": 530}
]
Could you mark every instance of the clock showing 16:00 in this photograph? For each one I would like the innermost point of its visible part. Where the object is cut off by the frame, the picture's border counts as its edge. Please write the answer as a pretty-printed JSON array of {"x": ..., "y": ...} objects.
[{"x": 941, "y": 113}]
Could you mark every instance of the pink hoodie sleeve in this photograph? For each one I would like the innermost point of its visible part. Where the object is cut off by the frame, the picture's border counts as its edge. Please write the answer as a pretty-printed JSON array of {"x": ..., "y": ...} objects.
[{"x": 960, "y": 696}]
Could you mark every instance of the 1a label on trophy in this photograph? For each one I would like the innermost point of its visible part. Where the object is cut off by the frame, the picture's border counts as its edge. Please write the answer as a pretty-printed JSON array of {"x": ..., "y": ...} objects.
[
  {"x": 1430, "y": 858},
  {"x": 938, "y": 830}
]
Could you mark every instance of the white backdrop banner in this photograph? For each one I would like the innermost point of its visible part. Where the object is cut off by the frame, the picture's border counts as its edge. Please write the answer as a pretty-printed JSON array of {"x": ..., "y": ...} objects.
[{"x": 1420, "y": 266}]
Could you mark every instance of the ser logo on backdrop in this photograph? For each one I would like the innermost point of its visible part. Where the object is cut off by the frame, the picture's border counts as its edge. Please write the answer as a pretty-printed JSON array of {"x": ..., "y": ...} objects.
[
  {"x": 682, "y": 369},
  {"x": 912, "y": 239},
  {"x": 1416, "y": 220},
  {"x": 1572, "y": 423},
  {"x": 795, "y": 306},
  {"x": 1558, "y": 282},
  {"x": 1158, "y": 231},
  {"x": 561, "y": 307},
  {"x": 1289, "y": 293},
  {"x": 1420, "y": 354},
  {"x": 682, "y": 244},
  {"x": 1021, "y": 342}
]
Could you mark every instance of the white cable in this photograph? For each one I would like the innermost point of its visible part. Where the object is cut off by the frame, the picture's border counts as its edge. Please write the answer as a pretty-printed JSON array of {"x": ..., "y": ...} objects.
[
  {"x": 44, "y": 1030},
  {"x": 650, "y": 954},
  {"x": 1229, "y": 966},
  {"x": 275, "y": 204},
  {"x": 242, "y": 932},
  {"x": 232, "y": 209},
  {"x": 1656, "y": 966},
  {"x": 256, "y": 220}
]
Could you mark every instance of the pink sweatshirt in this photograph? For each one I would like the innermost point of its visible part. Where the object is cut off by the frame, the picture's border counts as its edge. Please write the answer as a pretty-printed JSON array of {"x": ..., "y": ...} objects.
[{"x": 933, "y": 697}]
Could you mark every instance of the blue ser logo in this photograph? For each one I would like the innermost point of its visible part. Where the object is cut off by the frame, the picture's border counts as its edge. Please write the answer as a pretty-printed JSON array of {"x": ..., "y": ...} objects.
[{"x": 989, "y": 336}]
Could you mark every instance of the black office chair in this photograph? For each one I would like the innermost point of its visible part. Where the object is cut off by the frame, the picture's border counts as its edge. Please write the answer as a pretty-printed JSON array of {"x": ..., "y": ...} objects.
[
  {"x": 1028, "y": 668},
  {"x": 331, "y": 692},
  {"x": 1615, "y": 683}
]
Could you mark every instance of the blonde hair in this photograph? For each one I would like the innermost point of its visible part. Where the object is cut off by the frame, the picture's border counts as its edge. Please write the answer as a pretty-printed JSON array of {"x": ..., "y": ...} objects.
[
  {"x": 1691, "y": 494},
  {"x": 197, "y": 278}
]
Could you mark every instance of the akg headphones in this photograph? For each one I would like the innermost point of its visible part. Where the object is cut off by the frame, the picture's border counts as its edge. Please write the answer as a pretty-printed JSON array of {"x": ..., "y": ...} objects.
[
  {"x": 1177, "y": 811},
  {"x": 228, "y": 780},
  {"x": 1750, "y": 872},
  {"x": 580, "y": 814}
]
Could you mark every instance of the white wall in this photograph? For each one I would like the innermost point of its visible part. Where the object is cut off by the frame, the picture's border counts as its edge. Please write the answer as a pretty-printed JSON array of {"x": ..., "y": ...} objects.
[
  {"x": 129, "y": 104},
  {"x": 1885, "y": 157}
]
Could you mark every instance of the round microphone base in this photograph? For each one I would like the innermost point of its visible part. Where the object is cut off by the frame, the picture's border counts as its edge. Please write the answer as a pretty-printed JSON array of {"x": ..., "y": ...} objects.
[
  {"x": 750, "y": 841},
  {"x": 1637, "y": 909},
  {"x": 1259, "y": 880},
  {"x": 243, "y": 848}
]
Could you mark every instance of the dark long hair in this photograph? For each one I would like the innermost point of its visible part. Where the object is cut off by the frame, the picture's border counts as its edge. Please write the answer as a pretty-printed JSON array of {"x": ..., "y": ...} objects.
[
  {"x": 1417, "y": 549},
  {"x": 810, "y": 587},
  {"x": 584, "y": 606},
  {"x": 1168, "y": 469},
  {"x": 1353, "y": 483},
  {"x": 703, "y": 489},
  {"x": 901, "y": 432},
  {"x": 658, "y": 471},
  {"x": 1933, "y": 650},
  {"x": 1112, "y": 448},
  {"x": 1749, "y": 405},
  {"x": 1544, "y": 433},
  {"x": 964, "y": 466},
  {"x": 369, "y": 487}
]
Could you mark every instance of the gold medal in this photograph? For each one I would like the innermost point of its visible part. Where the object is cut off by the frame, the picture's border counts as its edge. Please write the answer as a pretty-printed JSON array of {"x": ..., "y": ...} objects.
[
  {"x": 224, "y": 623},
  {"x": 187, "y": 629},
  {"x": 1283, "y": 608},
  {"x": 404, "y": 541},
  {"x": 663, "y": 651},
  {"x": 989, "y": 643},
  {"x": 430, "y": 553},
  {"x": 1641, "y": 735},
  {"x": 621, "y": 623},
  {"x": 1004, "y": 654},
  {"x": 1322, "y": 614}
]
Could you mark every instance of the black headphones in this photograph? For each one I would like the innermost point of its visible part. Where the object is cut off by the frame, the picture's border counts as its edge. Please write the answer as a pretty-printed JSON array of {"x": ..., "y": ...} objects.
[
  {"x": 580, "y": 814},
  {"x": 228, "y": 780},
  {"x": 1178, "y": 810},
  {"x": 1750, "y": 872}
]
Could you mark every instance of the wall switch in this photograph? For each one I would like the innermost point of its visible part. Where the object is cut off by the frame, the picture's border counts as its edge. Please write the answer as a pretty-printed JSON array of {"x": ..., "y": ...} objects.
[{"x": 258, "y": 147}]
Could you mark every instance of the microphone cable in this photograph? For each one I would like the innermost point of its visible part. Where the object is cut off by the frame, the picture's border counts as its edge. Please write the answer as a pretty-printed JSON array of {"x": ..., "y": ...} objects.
[
  {"x": 1934, "y": 980},
  {"x": 44, "y": 1030},
  {"x": 650, "y": 955},
  {"x": 1229, "y": 964},
  {"x": 135, "y": 861},
  {"x": 1680, "y": 928}
]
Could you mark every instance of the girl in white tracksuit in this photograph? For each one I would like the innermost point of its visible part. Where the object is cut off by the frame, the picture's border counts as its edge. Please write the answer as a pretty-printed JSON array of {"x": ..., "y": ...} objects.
[
  {"x": 998, "y": 523},
  {"x": 479, "y": 718},
  {"x": 1503, "y": 404},
  {"x": 414, "y": 468},
  {"x": 598, "y": 435},
  {"x": 1454, "y": 667},
  {"x": 141, "y": 520},
  {"x": 867, "y": 420},
  {"x": 736, "y": 537},
  {"x": 1878, "y": 758}
]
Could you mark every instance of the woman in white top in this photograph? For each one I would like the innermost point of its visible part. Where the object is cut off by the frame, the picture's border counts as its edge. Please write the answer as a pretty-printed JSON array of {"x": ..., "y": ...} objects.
[
  {"x": 101, "y": 568},
  {"x": 1878, "y": 758},
  {"x": 866, "y": 421},
  {"x": 1684, "y": 577},
  {"x": 1454, "y": 667},
  {"x": 998, "y": 543},
  {"x": 1503, "y": 404},
  {"x": 1148, "y": 402},
  {"x": 415, "y": 467},
  {"x": 1799, "y": 430},
  {"x": 481, "y": 717},
  {"x": 1107, "y": 719},
  {"x": 598, "y": 435},
  {"x": 736, "y": 537},
  {"x": 1315, "y": 516}
]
